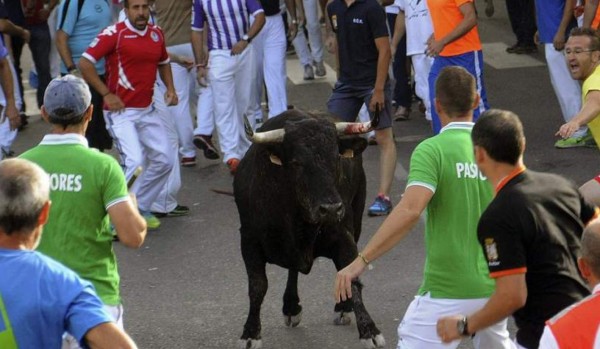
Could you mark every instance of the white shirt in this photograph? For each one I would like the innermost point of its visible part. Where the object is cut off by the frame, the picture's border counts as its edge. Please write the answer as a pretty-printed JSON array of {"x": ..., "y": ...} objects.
[{"x": 418, "y": 25}]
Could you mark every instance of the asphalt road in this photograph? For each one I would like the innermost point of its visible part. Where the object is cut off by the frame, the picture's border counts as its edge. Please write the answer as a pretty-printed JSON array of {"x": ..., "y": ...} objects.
[{"x": 186, "y": 287}]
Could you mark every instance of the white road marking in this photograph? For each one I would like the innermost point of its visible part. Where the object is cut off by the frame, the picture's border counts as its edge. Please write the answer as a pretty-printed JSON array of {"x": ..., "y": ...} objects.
[
  {"x": 30, "y": 98},
  {"x": 496, "y": 56},
  {"x": 295, "y": 72},
  {"x": 400, "y": 174}
]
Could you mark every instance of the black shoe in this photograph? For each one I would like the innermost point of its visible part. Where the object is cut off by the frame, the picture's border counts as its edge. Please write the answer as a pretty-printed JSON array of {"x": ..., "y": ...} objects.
[
  {"x": 177, "y": 212},
  {"x": 526, "y": 49},
  {"x": 520, "y": 49},
  {"x": 205, "y": 143},
  {"x": 513, "y": 48},
  {"x": 24, "y": 121},
  {"x": 290, "y": 50}
]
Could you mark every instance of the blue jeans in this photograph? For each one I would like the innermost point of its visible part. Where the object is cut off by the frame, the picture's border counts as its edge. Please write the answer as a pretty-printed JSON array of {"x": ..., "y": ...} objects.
[{"x": 402, "y": 89}]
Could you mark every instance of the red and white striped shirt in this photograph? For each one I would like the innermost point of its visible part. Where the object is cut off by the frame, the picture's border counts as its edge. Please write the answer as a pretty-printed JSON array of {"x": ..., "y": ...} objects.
[{"x": 132, "y": 60}]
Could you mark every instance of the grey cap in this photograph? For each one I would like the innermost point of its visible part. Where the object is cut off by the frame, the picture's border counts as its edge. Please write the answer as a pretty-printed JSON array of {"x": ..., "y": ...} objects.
[{"x": 66, "y": 99}]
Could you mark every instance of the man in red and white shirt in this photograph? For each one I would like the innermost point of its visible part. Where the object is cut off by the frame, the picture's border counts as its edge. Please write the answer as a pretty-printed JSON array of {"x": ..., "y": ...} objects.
[
  {"x": 134, "y": 52},
  {"x": 577, "y": 326}
]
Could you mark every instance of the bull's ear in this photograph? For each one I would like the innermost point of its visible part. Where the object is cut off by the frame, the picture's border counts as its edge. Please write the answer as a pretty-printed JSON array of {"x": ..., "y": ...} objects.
[
  {"x": 275, "y": 159},
  {"x": 352, "y": 146}
]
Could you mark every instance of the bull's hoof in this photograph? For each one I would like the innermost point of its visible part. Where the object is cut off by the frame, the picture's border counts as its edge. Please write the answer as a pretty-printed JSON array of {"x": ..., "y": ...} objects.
[
  {"x": 292, "y": 320},
  {"x": 374, "y": 342},
  {"x": 250, "y": 343},
  {"x": 343, "y": 319}
]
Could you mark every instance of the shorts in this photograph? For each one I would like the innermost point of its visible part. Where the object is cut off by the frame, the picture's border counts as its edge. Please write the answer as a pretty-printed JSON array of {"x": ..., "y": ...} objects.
[
  {"x": 346, "y": 100},
  {"x": 417, "y": 330}
]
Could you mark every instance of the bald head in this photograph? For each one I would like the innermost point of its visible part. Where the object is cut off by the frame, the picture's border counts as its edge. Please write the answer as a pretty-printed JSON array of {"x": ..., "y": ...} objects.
[
  {"x": 24, "y": 190},
  {"x": 590, "y": 247}
]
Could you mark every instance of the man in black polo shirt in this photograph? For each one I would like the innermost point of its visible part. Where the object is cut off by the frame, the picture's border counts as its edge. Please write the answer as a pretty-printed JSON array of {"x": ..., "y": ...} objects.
[
  {"x": 530, "y": 234},
  {"x": 364, "y": 57}
]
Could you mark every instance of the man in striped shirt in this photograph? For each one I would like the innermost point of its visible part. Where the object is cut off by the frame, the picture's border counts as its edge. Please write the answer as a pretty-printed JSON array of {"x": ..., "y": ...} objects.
[{"x": 229, "y": 67}]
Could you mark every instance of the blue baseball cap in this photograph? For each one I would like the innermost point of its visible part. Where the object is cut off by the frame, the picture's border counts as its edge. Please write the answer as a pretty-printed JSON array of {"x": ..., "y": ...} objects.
[{"x": 66, "y": 99}]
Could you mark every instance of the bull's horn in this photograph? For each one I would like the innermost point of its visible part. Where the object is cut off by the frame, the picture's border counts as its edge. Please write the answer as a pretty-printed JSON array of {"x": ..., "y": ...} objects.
[
  {"x": 274, "y": 136},
  {"x": 353, "y": 128}
]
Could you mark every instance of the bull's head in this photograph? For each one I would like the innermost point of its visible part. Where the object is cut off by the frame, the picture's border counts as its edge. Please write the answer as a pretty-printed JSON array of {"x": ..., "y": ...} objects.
[{"x": 311, "y": 150}]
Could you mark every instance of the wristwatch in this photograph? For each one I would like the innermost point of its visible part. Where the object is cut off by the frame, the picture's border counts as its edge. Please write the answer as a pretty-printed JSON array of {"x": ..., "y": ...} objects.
[
  {"x": 462, "y": 326},
  {"x": 246, "y": 38}
]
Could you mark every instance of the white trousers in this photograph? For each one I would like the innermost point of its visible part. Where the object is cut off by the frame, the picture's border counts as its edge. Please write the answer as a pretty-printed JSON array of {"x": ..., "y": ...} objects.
[
  {"x": 205, "y": 118},
  {"x": 301, "y": 47},
  {"x": 422, "y": 65},
  {"x": 7, "y": 137},
  {"x": 182, "y": 78},
  {"x": 313, "y": 26},
  {"x": 115, "y": 312},
  {"x": 567, "y": 90},
  {"x": 269, "y": 50},
  {"x": 230, "y": 78},
  {"x": 417, "y": 330},
  {"x": 141, "y": 140},
  {"x": 54, "y": 58},
  {"x": 166, "y": 201}
]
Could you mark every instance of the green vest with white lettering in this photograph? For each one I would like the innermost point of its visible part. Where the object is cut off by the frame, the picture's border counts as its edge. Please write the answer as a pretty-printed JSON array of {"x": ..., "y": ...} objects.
[
  {"x": 84, "y": 183},
  {"x": 455, "y": 267}
]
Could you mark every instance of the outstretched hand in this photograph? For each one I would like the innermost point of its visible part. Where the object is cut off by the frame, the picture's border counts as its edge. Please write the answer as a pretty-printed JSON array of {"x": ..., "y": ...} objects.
[
  {"x": 343, "y": 280},
  {"x": 567, "y": 130}
]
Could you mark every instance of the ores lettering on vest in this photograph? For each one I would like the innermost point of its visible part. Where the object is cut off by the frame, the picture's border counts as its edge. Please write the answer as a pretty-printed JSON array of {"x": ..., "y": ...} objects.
[{"x": 67, "y": 182}]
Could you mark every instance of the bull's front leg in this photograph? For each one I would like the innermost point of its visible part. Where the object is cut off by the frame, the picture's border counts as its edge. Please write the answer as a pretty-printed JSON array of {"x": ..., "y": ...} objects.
[
  {"x": 370, "y": 336},
  {"x": 257, "y": 288},
  {"x": 292, "y": 310}
]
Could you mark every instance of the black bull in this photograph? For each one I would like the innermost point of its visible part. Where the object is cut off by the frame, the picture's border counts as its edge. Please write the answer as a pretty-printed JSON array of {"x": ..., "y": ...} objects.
[{"x": 300, "y": 193}]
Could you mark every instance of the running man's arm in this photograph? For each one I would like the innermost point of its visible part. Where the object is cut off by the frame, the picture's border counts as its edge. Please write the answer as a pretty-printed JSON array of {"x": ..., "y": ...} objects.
[
  {"x": 166, "y": 75},
  {"x": 434, "y": 47},
  {"x": 399, "y": 31},
  {"x": 6, "y": 81},
  {"x": 383, "y": 64},
  {"x": 589, "y": 12},
  {"x": 62, "y": 47},
  {"x": 561, "y": 34},
  {"x": 510, "y": 295},
  {"x": 108, "y": 336},
  {"x": 589, "y": 111},
  {"x": 395, "y": 228},
  {"x": 129, "y": 224}
]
